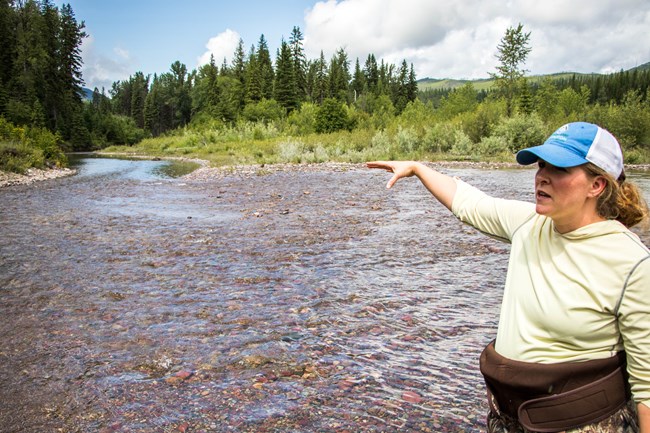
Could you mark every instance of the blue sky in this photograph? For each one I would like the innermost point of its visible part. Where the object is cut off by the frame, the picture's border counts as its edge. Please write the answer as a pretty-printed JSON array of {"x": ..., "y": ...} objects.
[{"x": 441, "y": 38}]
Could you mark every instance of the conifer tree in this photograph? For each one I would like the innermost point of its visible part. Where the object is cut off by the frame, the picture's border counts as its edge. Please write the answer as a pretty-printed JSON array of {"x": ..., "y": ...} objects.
[
  {"x": 412, "y": 86},
  {"x": 253, "y": 78},
  {"x": 153, "y": 105},
  {"x": 339, "y": 76},
  {"x": 371, "y": 72},
  {"x": 286, "y": 88},
  {"x": 239, "y": 73},
  {"x": 265, "y": 68},
  {"x": 299, "y": 63},
  {"x": 358, "y": 80},
  {"x": 72, "y": 35},
  {"x": 139, "y": 90},
  {"x": 7, "y": 53}
]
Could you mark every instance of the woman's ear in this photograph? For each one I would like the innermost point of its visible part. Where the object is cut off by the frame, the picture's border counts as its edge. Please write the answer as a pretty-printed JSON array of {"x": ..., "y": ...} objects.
[{"x": 597, "y": 186}]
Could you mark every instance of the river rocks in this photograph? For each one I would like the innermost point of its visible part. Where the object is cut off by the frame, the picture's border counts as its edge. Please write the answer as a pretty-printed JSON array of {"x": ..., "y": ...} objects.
[
  {"x": 33, "y": 175},
  {"x": 359, "y": 310}
]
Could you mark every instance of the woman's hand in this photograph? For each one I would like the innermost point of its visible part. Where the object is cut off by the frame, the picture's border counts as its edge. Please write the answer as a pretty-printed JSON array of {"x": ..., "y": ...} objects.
[
  {"x": 440, "y": 185},
  {"x": 399, "y": 168}
]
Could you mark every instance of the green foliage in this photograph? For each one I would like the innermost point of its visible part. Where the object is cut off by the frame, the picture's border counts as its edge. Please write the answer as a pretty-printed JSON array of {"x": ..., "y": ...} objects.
[
  {"x": 266, "y": 110},
  {"x": 629, "y": 122},
  {"x": 573, "y": 104},
  {"x": 512, "y": 52},
  {"x": 407, "y": 140},
  {"x": 25, "y": 147},
  {"x": 331, "y": 116},
  {"x": 440, "y": 138},
  {"x": 297, "y": 110},
  {"x": 417, "y": 114},
  {"x": 303, "y": 121},
  {"x": 480, "y": 123},
  {"x": 41, "y": 80},
  {"x": 520, "y": 131},
  {"x": 463, "y": 145},
  {"x": 460, "y": 100}
]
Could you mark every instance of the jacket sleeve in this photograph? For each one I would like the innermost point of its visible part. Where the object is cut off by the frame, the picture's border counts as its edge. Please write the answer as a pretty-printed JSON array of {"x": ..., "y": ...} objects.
[
  {"x": 634, "y": 325},
  {"x": 496, "y": 217}
]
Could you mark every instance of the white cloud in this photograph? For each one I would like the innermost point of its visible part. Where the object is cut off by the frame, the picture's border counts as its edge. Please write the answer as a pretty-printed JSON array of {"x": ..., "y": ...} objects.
[
  {"x": 122, "y": 53},
  {"x": 459, "y": 39},
  {"x": 221, "y": 47},
  {"x": 100, "y": 71}
]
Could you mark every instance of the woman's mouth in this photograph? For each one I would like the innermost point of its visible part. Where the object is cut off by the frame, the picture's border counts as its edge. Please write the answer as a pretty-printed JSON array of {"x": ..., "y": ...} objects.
[{"x": 542, "y": 194}]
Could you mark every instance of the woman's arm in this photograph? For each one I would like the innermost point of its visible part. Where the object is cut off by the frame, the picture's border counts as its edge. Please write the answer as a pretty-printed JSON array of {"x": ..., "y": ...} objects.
[
  {"x": 440, "y": 185},
  {"x": 644, "y": 418}
]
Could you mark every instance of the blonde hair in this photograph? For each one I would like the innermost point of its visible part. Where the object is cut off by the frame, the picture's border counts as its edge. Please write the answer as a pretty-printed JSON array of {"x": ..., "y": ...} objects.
[{"x": 620, "y": 200}]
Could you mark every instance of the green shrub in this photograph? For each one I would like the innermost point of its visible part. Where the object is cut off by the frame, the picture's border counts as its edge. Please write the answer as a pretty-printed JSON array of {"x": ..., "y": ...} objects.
[
  {"x": 462, "y": 146},
  {"x": 521, "y": 131},
  {"x": 407, "y": 139},
  {"x": 303, "y": 121},
  {"x": 25, "y": 147},
  {"x": 491, "y": 146},
  {"x": 331, "y": 116},
  {"x": 439, "y": 138},
  {"x": 267, "y": 110}
]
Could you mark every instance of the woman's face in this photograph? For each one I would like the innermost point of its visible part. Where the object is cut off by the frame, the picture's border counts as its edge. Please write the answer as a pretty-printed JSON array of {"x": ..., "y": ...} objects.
[{"x": 567, "y": 195}]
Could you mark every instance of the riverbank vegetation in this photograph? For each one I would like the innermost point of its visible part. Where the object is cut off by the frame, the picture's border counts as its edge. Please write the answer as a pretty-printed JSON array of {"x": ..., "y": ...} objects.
[{"x": 291, "y": 109}]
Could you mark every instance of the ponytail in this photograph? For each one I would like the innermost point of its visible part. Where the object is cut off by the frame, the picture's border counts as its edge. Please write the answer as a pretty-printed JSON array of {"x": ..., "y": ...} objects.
[{"x": 620, "y": 200}]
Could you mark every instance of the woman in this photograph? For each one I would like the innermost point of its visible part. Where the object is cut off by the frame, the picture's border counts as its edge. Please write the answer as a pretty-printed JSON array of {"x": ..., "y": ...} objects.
[{"x": 572, "y": 351}]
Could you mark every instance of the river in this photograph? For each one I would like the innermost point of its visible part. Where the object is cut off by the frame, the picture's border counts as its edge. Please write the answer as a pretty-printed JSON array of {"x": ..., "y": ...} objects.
[{"x": 289, "y": 301}]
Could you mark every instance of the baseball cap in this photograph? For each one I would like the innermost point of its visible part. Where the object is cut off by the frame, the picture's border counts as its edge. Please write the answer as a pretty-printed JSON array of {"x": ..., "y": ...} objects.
[{"x": 575, "y": 144}]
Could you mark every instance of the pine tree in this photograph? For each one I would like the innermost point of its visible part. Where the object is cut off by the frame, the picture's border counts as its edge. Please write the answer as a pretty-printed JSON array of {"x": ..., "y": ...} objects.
[
  {"x": 51, "y": 77},
  {"x": 400, "y": 98},
  {"x": 152, "y": 109},
  {"x": 371, "y": 72},
  {"x": 286, "y": 88},
  {"x": 239, "y": 73},
  {"x": 412, "y": 86},
  {"x": 358, "y": 80},
  {"x": 299, "y": 63},
  {"x": 321, "y": 79},
  {"x": 253, "y": 78},
  {"x": 26, "y": 76},
  {"x": 121, "y": 97},
  {"x": 70, "y": 81},
  {"x": 265, "y": 67},
  {"x": 180, "y": 100},
  {"x": 139, "y": 90},
  {"x": 8, "y": 51},
  {"x": 339, "y": 76},
  {"x": 525, "y": 98}
]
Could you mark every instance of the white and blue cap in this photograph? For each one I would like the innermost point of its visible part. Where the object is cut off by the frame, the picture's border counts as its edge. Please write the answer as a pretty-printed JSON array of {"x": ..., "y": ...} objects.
[{"x": 575, "y": 144}]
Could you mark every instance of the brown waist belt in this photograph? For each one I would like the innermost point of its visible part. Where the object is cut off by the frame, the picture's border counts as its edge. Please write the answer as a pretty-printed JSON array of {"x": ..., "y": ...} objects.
[{"x": 555, "y": 397}]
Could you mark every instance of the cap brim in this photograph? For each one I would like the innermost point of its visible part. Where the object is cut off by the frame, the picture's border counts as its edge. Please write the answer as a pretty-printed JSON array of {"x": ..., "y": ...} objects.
[{"x": 553, "y": 154}]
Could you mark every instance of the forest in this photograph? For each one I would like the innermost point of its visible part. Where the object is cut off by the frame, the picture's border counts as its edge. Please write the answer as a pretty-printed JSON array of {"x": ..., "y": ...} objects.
[{"x": 261, "y": 108}]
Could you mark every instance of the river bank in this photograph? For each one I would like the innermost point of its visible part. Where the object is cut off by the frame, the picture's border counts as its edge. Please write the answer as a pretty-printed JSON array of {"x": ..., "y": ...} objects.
[{"x": 33, "y": 175}]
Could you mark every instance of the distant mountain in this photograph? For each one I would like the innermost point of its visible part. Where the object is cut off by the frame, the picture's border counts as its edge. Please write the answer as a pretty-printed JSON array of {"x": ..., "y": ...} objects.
[
  {"x": 486, "y": 83},
  {"x": 87, "y": 94},
  {"x": 642, "y": 67}
]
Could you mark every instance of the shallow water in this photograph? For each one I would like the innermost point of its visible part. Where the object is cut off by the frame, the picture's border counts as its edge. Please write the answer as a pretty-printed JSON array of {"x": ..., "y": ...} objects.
[{"x": 289, "y": 302}]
